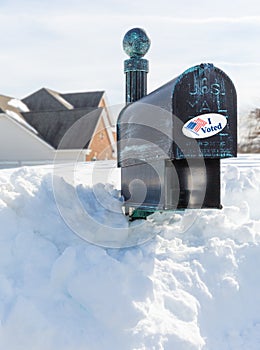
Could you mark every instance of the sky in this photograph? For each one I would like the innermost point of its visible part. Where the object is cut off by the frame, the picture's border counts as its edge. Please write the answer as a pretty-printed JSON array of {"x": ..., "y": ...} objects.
[{"x": 77, "y": 45}]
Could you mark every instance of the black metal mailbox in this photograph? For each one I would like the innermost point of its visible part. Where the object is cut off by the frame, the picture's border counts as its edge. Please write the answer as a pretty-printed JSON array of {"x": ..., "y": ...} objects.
[{"x": 170, "y": 142}]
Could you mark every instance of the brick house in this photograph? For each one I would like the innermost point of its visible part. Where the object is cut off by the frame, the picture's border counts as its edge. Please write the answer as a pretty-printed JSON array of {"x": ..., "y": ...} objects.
[{"x": 41, "y": 122}]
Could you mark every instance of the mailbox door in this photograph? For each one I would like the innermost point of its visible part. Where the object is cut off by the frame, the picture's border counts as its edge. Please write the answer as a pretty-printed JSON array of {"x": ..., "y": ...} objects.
[{"x": 200, "y": 91}]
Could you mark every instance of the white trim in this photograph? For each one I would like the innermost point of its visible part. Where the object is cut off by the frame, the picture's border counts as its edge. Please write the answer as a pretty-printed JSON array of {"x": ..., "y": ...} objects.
[
  {"x": 95, "y": 131},
  {"x": 60, "y": 99},
  {"x": 75, "y": 150},
  {"x": 107, "y": 120},
  {"x": 23, "y": 127},
  {"x": 69, "y": 150},
  {"x": 108, "y": 128},
  {"x": 106, "y": 104}
]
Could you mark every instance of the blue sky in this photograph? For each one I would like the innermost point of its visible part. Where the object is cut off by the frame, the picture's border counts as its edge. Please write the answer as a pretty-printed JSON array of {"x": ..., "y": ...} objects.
[{"x": 77, "y": 45}]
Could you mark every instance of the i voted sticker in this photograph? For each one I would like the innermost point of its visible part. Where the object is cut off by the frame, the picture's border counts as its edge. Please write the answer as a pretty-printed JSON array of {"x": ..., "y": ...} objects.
[{"x": 204, "y": 125}]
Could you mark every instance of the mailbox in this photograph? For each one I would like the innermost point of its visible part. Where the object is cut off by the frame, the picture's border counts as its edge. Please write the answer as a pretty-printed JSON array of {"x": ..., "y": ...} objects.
[{"x": 171, "y": 141}]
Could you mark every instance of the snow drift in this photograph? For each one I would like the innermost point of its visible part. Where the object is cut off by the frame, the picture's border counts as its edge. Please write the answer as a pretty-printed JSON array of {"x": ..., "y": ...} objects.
[{"x": 194, "y": 284}]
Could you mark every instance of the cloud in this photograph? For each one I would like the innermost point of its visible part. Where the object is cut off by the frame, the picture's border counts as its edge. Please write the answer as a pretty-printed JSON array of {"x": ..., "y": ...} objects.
[
  {"x": 241, "y": 64},
  {"x": 79, "y": 47},
  {"x": 209, "y": 20}
]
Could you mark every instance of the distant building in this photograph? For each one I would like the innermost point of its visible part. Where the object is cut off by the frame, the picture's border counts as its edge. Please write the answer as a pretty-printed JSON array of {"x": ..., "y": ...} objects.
[
  {"x": 76, "y": 126},
  {"x": 250, "y": 132}
]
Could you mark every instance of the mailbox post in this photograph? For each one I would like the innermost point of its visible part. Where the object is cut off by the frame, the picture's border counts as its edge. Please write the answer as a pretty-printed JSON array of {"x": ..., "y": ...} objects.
[
  {"x": 171, "y": 141},
  {"x": 136, "y": 44}
]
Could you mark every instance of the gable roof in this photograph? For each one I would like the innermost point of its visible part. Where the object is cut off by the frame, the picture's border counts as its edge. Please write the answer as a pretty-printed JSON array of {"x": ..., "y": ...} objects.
[
  {"x": 50, "y": 114},
  {"x": 45, "y": 100},
  {"x": 58, "y": 97},
  {"x": 53, "y": 125},
  {"x": 13, "y": 108},
  {"x": 11, "y": 104},
  {"x": 50, "y": 100},
  {"x": 84, "y": 99}
]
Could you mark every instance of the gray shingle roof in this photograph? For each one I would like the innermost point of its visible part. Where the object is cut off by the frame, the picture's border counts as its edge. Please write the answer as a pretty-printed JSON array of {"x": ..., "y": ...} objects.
[
  {"x": 12, "y": 108},
  {"x": 44, "y": 100},
  {"x": 53, "y": 125},
  {"x": 84, "y": 99},
  {"x": 58, "y": 97},
  {"x": 50, "y": 100},
  {"x": 52, "y": 114}
]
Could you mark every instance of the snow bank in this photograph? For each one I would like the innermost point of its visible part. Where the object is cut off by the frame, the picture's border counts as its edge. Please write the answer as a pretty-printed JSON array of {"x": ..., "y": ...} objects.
[{"x": 194, "y": 285}]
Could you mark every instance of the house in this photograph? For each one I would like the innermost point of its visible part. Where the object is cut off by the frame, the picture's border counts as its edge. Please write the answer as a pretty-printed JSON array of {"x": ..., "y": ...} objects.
[{"x": 74, "y": 126}]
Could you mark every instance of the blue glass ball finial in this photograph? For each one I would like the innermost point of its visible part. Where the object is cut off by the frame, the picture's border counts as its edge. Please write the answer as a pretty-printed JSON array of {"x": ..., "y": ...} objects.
[{"x": 136, "y": 43}]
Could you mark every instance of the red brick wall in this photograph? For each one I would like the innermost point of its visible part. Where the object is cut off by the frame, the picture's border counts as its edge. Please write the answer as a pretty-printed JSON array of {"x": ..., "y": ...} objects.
[{"x": 100, "y": 144}]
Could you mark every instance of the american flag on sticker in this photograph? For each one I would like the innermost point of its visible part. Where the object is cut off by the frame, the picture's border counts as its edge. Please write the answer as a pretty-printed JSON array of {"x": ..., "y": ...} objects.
[{"x": 196, "y": 124}]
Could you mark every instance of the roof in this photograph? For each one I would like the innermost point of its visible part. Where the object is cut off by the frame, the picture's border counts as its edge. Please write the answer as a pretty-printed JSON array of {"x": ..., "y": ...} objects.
[
  {"x": 11, "y": 104},
  {"x": 53, "y": 125},
  {"x": 50, "y": 100},
  {"x": 84, "y": 99},
  {"x": 13, "y": 108},
  {"x": 58, "y": 97},
  {"x": 50, "y": 115},
  {"x": 45, "y": 100}
]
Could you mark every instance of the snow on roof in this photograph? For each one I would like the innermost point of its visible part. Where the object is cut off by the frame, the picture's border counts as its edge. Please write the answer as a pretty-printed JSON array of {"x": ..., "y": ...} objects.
[
  {"x": 60, "y": 98},
  {"x": 20, "y": 120},
  {"x": 53, "y": 125},
  {"x": 14, "y": 102}
]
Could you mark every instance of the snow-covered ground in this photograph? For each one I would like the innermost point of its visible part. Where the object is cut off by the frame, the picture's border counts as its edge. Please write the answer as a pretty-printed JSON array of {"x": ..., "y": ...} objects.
[{"x": 193, "y": 283}]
